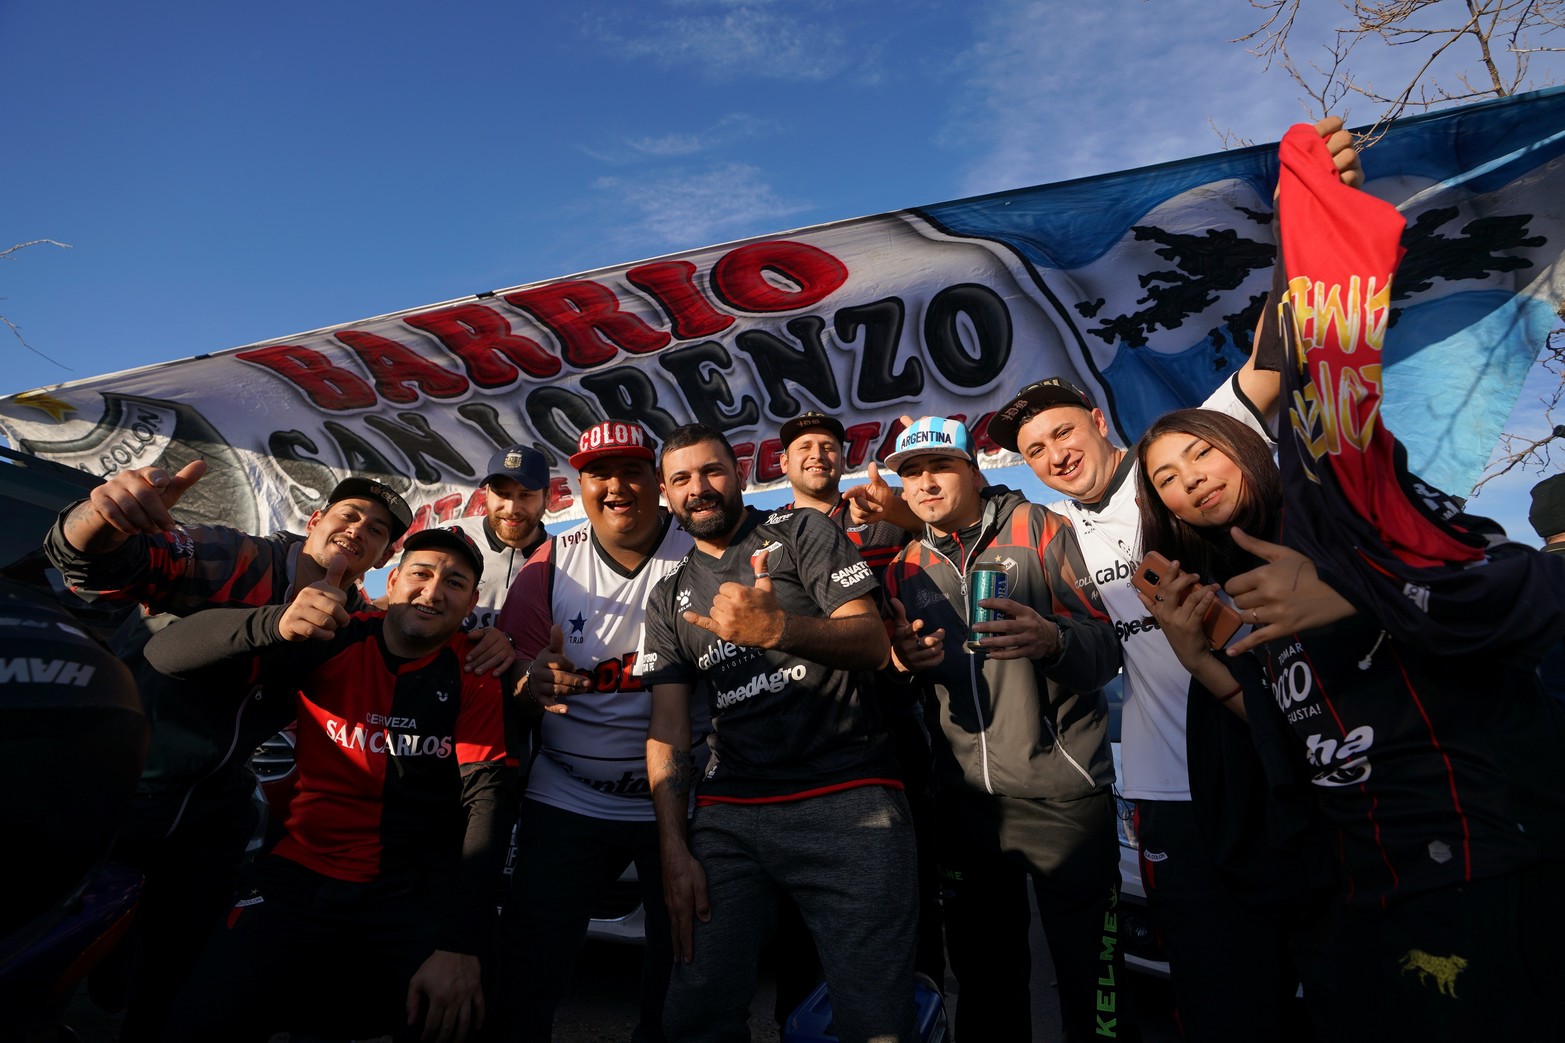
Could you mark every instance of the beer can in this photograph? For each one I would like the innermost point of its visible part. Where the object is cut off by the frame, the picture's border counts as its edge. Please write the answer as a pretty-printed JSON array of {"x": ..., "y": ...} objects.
[{"x": 986, "y": 579}]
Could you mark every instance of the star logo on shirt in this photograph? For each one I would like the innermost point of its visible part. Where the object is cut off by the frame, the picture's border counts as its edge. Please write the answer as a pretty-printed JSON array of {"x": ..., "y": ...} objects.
[{"x": 577, "y": 623}]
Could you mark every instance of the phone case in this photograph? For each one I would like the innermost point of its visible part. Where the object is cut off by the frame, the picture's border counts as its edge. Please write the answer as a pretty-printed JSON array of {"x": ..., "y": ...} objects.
[{"x": 1219, "y": 624}]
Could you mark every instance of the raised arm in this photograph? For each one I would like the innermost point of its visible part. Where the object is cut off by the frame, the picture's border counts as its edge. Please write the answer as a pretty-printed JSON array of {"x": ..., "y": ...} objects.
[
  {"x": 131, "y": 503},
  {"x": 1263, "y": 387}
]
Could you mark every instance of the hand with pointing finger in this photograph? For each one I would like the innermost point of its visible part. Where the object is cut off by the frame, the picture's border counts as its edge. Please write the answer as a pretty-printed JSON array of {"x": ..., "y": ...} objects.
[
  {"x": 869, "y": 502},
  {"x": 319, "y": 610},
  {"x": 744, "y": 615},
  {"x": 552, "y": 677},
  {"x": 1283, "y": 596},
  {"x": 912, "y": 650},
  {"x": 877, "y": 500},
  {"x": 135, "y": 502}
]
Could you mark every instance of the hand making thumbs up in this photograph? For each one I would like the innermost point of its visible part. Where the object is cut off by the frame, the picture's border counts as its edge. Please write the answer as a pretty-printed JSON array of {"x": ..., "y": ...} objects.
[
  {"x": 552, "y": 676},
  {"x": 746, "y": 615},
  {"x": 317, "y": 611}
]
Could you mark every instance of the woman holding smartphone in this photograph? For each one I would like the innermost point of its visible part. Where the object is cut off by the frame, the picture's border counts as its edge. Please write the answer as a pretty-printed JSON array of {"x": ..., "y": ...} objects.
[{"x": 1432, "y": 750}]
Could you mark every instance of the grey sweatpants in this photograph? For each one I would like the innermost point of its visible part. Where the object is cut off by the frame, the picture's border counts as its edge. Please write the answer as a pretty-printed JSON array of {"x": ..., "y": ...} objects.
[{"x": 847, "y": 861}]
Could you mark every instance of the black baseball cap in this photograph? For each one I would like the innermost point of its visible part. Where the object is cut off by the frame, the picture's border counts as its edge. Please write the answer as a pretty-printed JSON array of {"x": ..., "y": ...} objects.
[
  {"x": 450, "y": 538},
  {"x": 521, "y": 463},
  {"x": 798, "y": 425},
  {"x": 1547, "y": 515},
  {"x": 1045, "y": 394},
  {"x": 370, "y": 489}
]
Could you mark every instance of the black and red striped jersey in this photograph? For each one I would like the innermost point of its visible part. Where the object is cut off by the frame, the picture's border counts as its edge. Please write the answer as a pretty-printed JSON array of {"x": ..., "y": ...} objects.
[{"x": 402, "y": 762}]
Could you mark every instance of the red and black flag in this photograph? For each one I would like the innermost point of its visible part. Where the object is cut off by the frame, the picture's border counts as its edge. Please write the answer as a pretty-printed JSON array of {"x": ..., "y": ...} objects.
[{"x": 1402, "y": 550}]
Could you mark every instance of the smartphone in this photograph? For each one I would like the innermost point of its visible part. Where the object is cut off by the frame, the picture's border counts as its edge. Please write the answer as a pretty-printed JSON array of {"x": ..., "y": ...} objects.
[{"x": 1221, "y": 621}]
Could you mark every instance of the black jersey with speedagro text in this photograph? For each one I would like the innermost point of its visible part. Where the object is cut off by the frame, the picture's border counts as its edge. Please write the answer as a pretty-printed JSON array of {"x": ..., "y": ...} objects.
[{"x": 783, "y": 727}]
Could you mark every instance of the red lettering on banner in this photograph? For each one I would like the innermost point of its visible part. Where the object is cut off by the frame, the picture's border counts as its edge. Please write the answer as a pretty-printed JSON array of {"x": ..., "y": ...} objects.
[
  {"x": 587, "y": 318},
  {"x": 327, "y": 385},
  {"x": 560, "y": 497},
  {"x": 446, "y": 508},
  {"x": 420, "y": 521},
  {"x": 856, "y": 442},
  {"x": 889, "y": 445},
  {"x": 483, "y": 340},
  {"x": 745, "y": 452},
  {"x": 982, "y": 443},
  {"x": 399, "y": 372},
  {"x": 801, "y": 275},
  {"x": 477, "y": 504},
  {"x": 768, "y": 462},
  {"x": 672, "y": 285}
]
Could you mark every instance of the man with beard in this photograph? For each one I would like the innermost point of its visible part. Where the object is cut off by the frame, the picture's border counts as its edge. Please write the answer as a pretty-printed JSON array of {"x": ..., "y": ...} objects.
[
  {"x": 772, "y": 622},
  {"x": 516, "y": 492},
  {"x": 194, "y": 810},
  {"x": 576, "y": 614},
  {"x": 370, "y": 912}
]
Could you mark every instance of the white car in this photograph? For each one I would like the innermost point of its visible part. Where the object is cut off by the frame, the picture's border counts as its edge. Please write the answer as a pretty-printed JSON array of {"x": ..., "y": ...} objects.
[{"x": 1135, "y": 926}]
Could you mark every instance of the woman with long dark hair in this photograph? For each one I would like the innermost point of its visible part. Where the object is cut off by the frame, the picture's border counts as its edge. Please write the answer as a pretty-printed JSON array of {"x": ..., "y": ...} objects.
[{"x": 1429, "y": 745}]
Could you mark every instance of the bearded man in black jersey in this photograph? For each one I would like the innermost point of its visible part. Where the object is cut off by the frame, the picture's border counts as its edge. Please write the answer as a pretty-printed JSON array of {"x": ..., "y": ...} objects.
[{"x": 772, "y": 620}]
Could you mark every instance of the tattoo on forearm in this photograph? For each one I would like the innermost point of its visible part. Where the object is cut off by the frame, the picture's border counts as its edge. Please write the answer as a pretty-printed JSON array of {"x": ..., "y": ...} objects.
[{"x": 680, "y": 769}]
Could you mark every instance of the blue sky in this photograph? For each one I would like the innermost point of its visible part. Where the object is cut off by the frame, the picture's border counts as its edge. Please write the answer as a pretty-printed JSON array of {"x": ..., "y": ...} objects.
[{"x": 227, "y": 174}]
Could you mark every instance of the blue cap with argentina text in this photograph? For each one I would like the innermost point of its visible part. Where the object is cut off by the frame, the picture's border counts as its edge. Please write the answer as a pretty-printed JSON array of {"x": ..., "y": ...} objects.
[{"x": 932, "y": 436}]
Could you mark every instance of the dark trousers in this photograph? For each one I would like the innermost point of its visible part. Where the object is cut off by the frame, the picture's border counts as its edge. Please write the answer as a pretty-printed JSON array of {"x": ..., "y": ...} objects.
[
  {"x": 564, "y": 862},
  {"x": 1469, "y": 962},
  {"x": 992, "y": 848},
  {"x": 795, "y": 967},
  {"x": 846, "y": 859},
  {"x": 1236, "y": 967},
  {"x": 304, "y": 951},
  {"x": 190, "y": 876}
]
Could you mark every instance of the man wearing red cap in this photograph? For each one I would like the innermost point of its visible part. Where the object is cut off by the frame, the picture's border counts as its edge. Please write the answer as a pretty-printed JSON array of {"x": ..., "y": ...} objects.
[{"x": 576, "y": 614}]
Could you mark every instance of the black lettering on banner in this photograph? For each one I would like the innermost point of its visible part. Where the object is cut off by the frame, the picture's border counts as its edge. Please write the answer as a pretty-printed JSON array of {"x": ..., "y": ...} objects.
[
  {"x": 698, "y": 370},
  {"x": 486, "y": 418},
  {"x": 546, "y": 406},
  {"x": 990, "y": 322},
  {"x": 417, "y": 442},
  {"x": 359, "y": 457},
  {"x": 777, "y": 362},
  {"x": 627, "y": 393},
  {"x": 881, "y": 322},
  {"x": 312, "y": 480}
]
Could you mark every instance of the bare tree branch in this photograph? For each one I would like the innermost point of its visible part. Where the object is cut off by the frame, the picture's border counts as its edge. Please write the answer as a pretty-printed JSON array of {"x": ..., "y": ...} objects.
[{"x": 16, "y": 330}]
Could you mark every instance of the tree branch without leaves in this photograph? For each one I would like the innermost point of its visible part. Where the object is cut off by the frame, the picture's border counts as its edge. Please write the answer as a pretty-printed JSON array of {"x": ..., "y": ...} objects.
[
  {"x": 16, "y": 330},
  {"x": 1497, "y": 38}
]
